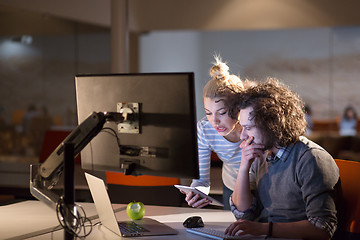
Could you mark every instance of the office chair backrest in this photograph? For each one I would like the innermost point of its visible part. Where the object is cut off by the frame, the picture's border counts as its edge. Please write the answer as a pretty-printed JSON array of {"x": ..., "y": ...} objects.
[
  {"x": 350, "y": 184},
  {"x": 52, "y": 139}
]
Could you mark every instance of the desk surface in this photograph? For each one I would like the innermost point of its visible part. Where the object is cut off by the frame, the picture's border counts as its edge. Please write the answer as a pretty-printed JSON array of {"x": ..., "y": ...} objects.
[{"x": 34, "y": 220}]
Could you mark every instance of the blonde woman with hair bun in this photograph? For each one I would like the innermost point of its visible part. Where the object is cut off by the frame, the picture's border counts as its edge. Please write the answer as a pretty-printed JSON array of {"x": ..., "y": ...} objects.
[{"x": 219, "y": 132}]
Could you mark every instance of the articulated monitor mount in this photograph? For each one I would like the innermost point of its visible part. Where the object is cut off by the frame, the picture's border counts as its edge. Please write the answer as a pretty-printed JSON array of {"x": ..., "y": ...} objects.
[{"x": 46, "y": 175}]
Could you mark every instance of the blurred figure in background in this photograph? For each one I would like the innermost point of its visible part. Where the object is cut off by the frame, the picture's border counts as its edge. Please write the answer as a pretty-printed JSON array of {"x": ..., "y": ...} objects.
[
  {"x": 308, "y": 118},
  {"x": 2, "y": 118},
  {"x": 348, "y": 122},
  {"x": 31, "y": 113}
]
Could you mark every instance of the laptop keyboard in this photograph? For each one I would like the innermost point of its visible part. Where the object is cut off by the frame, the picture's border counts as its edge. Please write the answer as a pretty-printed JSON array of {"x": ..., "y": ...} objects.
[
  {"x": 213, "y": 234},
  {"x": 131, "y": 229}
]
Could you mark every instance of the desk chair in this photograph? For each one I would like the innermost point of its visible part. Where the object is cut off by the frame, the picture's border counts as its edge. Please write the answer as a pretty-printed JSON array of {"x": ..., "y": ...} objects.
[
  {"x": 350, "y": 179},
  {"x": 150, "y": 190},
  {"x": 52, "y": 139}
]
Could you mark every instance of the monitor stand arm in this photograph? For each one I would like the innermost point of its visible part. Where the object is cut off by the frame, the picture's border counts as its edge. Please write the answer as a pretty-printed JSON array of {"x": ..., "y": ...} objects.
[{"x": 45, "y": 175}]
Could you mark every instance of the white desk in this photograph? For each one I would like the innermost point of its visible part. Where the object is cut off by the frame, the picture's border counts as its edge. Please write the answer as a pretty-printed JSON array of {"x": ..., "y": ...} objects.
[{"x": 34, "y": 220}]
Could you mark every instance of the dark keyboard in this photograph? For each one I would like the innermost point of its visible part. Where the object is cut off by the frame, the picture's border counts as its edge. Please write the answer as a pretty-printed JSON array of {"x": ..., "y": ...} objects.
[
  {"x": 214, "y": 234},
  {"x": 131, "y": 229}
]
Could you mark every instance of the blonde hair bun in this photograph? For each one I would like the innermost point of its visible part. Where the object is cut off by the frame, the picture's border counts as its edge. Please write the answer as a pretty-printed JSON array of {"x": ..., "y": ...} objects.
[{"x": 219, "y": 70}]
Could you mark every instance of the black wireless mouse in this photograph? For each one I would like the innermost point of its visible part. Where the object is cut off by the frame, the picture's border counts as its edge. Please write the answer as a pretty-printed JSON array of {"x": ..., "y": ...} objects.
[{"x": 193, "y": 222}]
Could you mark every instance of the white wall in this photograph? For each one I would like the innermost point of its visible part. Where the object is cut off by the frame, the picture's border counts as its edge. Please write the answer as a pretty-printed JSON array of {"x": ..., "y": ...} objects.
[
  {"x": 174, "y": 52},
  {"x": 319, "y": 63}
]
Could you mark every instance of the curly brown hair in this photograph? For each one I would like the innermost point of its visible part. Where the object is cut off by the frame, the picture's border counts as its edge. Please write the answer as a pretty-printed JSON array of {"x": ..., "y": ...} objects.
[{"x": 277, "y": 111}]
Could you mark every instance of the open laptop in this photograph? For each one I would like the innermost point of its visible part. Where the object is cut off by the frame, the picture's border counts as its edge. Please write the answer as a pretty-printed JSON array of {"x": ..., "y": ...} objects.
[{"x": 145, "y": 226}]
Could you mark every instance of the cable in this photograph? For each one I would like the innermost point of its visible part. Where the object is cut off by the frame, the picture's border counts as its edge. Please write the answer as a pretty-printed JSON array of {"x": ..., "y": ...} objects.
[
  {"x": 113, "y": 133},
  {"x": 73, "y": 219}
]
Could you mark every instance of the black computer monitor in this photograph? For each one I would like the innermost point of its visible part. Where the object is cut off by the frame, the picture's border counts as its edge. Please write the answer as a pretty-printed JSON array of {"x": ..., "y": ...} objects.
[{"x": 163, "y": 140}]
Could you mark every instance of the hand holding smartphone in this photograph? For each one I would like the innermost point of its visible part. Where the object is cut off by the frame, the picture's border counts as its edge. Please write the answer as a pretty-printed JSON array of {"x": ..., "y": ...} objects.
[{"x": 187, "y": 189}]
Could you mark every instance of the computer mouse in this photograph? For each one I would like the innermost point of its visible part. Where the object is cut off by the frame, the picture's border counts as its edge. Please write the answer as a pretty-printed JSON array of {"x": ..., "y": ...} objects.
[{"x": 193, "y": 222}]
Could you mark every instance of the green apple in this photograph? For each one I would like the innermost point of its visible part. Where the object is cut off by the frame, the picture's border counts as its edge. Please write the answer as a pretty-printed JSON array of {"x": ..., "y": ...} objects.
[{"x": 135, "y": 210}]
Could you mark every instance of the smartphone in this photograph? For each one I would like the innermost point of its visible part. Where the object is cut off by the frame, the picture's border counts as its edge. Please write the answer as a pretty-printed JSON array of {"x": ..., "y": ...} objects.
[{"x": 187, "y": 189}]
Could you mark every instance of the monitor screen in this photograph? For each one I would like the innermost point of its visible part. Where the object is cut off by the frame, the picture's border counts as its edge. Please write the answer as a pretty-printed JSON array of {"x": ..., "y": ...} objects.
[{"x": 161, "y": 140}]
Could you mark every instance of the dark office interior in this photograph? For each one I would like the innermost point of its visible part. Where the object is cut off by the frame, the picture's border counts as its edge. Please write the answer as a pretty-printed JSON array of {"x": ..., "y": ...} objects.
[{"x": 314, "y": 46}]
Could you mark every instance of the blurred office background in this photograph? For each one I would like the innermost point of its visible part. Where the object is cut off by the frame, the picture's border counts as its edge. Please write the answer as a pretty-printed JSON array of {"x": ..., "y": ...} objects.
[{"x": 313, "y": 46}]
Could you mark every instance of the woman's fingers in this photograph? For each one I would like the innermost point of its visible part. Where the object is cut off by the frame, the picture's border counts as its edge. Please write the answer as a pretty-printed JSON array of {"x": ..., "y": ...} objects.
[
  {"x": 201, "y": 203},
  {"x": 194, "y": 200},
  {"x": 189, "y": 196}
]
